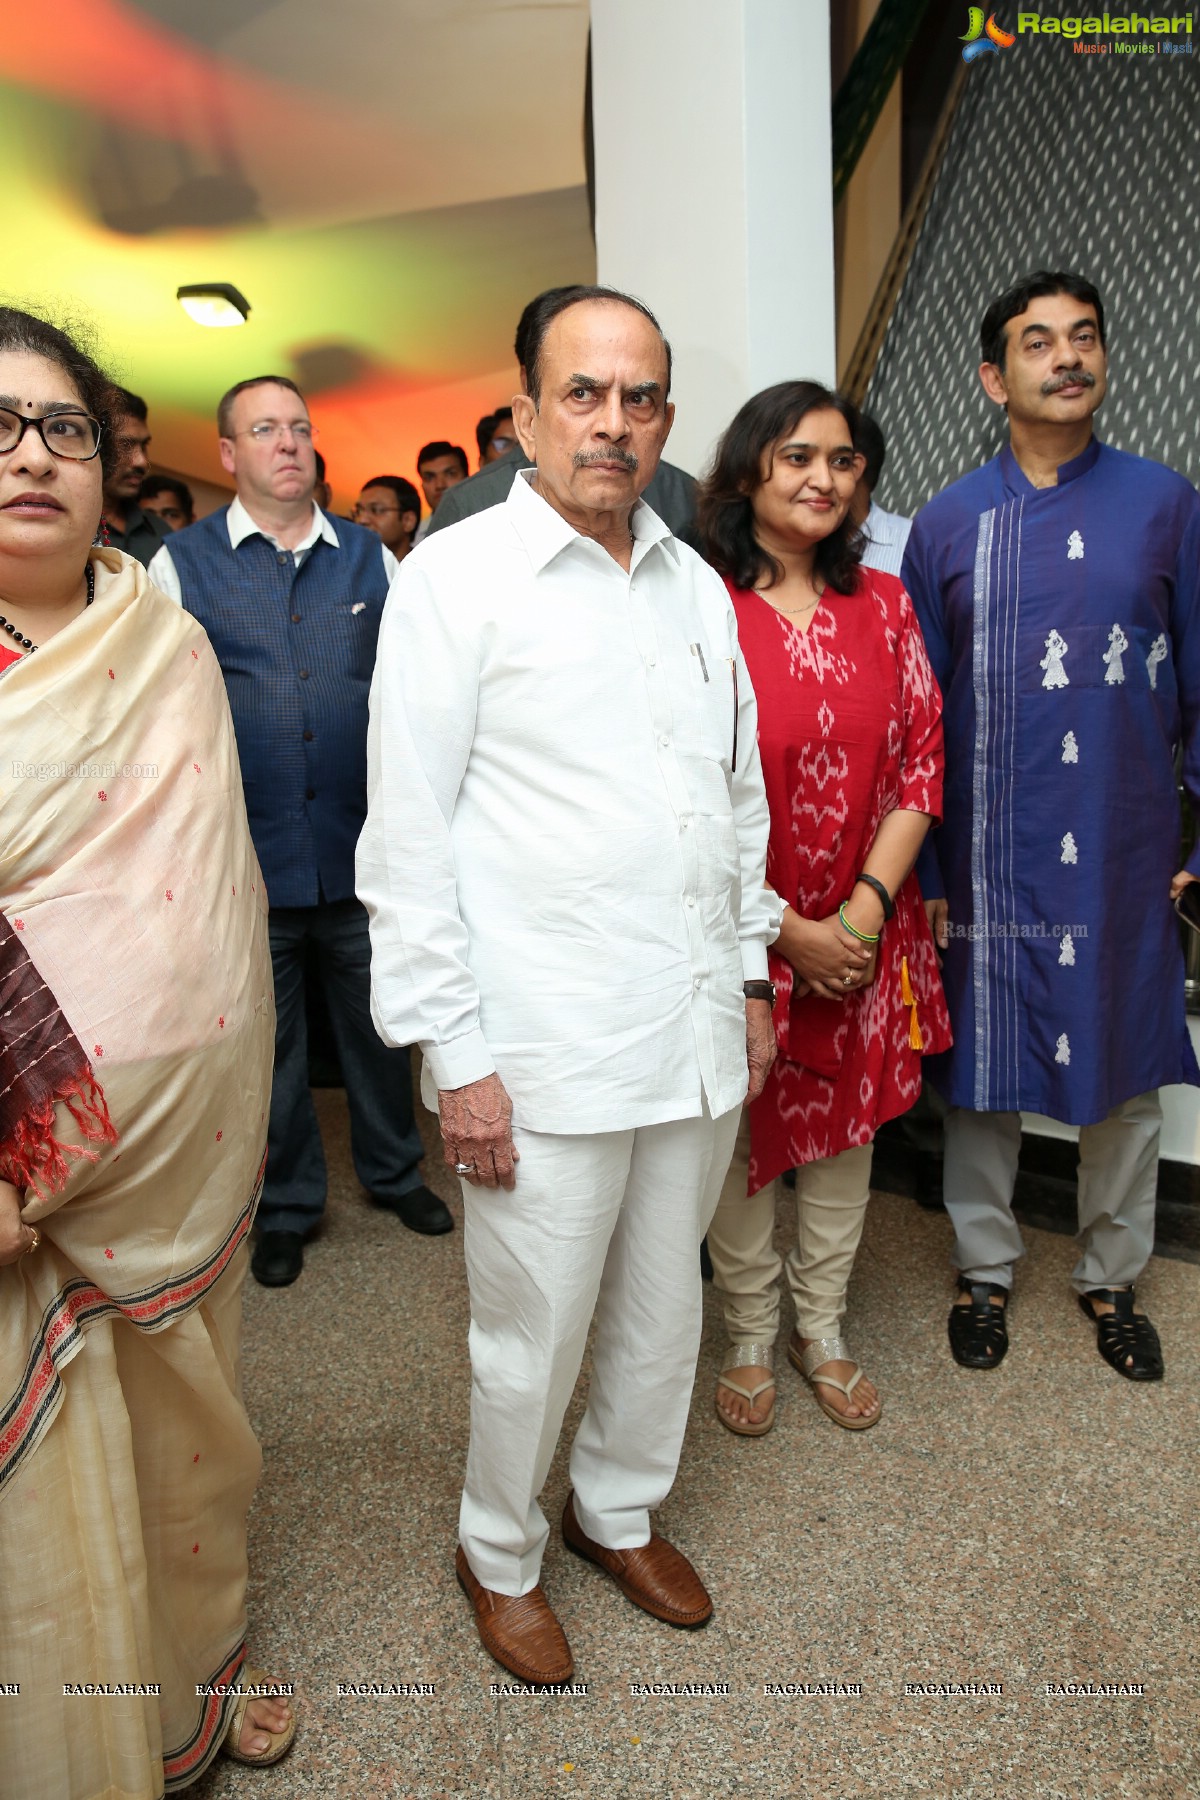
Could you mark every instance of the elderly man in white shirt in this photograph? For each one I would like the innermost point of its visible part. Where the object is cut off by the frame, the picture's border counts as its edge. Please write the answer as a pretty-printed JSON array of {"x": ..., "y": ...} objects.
[{"x": 563, "y": 863}]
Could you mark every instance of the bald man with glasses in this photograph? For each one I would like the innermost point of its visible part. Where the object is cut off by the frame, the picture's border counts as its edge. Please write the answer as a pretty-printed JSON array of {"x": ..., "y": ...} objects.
[{"x": 292, "y": 601}]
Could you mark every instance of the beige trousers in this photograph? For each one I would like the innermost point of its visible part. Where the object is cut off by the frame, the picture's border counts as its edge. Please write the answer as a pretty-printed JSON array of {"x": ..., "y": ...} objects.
[{"x": 831, "y": 1204}]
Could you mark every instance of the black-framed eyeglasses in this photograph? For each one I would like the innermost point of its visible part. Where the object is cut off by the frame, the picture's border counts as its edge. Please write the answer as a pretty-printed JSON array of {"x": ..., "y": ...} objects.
[{"x": 73, "y": 436}]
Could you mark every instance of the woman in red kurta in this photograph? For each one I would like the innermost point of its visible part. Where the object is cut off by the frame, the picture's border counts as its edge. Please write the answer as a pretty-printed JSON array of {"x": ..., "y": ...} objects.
[{"x": 851, "y": 743}]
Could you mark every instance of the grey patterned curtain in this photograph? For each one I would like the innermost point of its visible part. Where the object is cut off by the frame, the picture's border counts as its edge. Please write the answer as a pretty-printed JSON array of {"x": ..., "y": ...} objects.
[{"x": 1066, "y": 161}]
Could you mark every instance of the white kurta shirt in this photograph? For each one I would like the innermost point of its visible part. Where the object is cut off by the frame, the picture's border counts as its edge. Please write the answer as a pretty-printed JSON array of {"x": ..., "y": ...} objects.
[{"x": 563, "y": 871}]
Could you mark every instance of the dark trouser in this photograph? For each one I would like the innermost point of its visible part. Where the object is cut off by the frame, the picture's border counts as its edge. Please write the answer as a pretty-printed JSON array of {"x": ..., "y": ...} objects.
[{"x": 384, "y": 1139}]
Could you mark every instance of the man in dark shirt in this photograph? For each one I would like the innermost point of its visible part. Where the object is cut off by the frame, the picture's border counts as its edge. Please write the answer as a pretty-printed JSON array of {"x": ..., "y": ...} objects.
[
  {"x": 170, "y": 498},
  {"x": 292, "y": 605},
  {"x": 131, "y": 527},
  {"x": 671, "y": 492},
  {"x": 390, "y": 506},
  {"x": 440, "y": 467}
]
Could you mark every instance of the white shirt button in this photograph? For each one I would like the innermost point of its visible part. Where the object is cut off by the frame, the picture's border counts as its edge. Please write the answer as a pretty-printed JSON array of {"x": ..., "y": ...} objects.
[
  {"x": 696, "y": 983},
  {"x": 665, "y": 742},
  {"x": 690, "y": 899},
  {"x": 650, "y": 661}
]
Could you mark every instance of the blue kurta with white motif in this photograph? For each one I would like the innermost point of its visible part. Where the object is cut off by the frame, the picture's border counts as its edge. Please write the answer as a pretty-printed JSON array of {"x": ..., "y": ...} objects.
[{"x": 1064, "y": 627}]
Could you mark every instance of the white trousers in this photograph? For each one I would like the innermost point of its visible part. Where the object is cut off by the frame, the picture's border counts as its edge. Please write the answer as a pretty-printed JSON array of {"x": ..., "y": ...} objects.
[
  {"x": 1117, "y": 1191},
  {"x": 610, "y": 1223}
]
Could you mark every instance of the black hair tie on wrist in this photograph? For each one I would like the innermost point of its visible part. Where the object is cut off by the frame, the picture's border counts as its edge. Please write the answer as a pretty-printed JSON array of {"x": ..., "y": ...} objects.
[{"x": 885, "y": 898}]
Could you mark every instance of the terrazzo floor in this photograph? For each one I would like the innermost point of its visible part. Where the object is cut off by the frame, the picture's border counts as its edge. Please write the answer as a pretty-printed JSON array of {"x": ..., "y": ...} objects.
[{"x": 1021, "y": 1530}]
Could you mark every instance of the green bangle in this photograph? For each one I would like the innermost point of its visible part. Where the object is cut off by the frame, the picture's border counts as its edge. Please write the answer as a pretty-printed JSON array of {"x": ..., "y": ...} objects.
[{"x": 864, "y": 937}]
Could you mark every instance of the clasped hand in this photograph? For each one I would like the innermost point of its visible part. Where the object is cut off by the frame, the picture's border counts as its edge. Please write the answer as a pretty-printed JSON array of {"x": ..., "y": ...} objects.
[{"x": 823, "y": 954}]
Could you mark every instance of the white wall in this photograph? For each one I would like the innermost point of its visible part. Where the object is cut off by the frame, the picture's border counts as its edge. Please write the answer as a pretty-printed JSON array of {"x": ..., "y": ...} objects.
[{"x": 714, "y": 192}]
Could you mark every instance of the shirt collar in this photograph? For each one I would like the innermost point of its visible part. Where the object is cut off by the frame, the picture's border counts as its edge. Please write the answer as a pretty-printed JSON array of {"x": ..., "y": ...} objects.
[
  {"x": 545, "y": 533},
  {"x": 241, "y": 526},
  {"x": 1016, "y": 480}
]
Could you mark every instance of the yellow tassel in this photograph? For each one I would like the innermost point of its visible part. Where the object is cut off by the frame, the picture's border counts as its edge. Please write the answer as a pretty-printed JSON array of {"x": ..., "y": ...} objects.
[{"x": 916, "y": 1042}]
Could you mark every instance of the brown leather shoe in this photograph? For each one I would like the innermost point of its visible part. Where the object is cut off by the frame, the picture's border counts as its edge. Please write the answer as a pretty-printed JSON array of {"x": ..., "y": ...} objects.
[
  {"x": 655, "y": 1576},
  {"x": 521, "y": 1633}
]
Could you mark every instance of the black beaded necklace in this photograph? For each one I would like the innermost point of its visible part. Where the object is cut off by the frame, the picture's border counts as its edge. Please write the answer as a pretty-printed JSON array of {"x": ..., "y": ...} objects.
[{"x": 27, "y": 644}]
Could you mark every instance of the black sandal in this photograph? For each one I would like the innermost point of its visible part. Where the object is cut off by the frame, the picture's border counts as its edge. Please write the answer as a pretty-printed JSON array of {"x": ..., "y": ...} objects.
[
  {"x": 1125, "y": 1334},
  {"x": 978, "y": 1333}
]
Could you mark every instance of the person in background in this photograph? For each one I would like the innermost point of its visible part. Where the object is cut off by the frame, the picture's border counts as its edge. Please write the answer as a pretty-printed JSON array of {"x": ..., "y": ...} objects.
[
  {"x": 136, "y": 1030},
  {"x": 391, "y": 507},
  {"x": 322, "y": 492},
  {"x": 483, "y": 436},
  {"x": 291, "y": 605},
  {"x": 503, "y": 436},
  {"x": 849, "y": 729},
  {"x": 884, "y": 534},
  {"x": 440, "y": 466},
  {"x": 671, "y": 492},
  {"x": 1058, "y": 588},
  {"x": 563, "y": 863},
  {"x": 130, "y": 526},
  {"x": 170, "y": 498}
]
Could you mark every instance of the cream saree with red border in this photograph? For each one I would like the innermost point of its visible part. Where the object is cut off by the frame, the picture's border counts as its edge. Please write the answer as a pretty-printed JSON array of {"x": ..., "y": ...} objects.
[{"x": 127, "y": 1462}]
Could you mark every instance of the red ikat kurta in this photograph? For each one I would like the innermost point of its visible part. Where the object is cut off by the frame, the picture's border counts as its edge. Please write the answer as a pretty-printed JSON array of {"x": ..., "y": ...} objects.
[{"x": 849, "y": 718}]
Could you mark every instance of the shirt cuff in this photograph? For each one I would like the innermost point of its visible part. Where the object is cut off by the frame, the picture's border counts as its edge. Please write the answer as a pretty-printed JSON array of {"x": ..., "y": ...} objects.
[
  {"x": 461, "y": 1061},
  {"x": 754, "y": 960}
]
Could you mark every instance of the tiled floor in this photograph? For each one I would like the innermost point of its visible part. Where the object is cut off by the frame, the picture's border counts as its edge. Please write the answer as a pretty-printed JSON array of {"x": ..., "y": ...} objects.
[{"x": 1029, "y": 1527}]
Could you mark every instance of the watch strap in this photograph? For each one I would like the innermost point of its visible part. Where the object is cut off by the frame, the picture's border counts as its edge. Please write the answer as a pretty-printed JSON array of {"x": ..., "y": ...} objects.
[{"x": 759, "y": 990}]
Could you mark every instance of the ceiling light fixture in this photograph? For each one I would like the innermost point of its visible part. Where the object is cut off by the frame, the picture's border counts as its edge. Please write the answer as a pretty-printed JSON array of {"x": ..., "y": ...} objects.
[{"x": 214, "y": 303}]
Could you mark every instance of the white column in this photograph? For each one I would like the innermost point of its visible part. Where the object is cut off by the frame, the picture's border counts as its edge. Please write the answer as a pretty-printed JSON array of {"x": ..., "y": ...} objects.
[{"x": 714, "y": 192}]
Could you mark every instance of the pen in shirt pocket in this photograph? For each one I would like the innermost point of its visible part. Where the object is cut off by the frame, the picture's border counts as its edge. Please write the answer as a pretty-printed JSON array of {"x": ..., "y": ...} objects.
[
  {"x": 697, "y": 651},
  {"x": 733, "y": 754}
]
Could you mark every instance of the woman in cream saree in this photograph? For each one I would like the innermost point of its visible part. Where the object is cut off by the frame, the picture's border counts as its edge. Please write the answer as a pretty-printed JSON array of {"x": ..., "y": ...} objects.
[{"x": 136, "y": 1033}]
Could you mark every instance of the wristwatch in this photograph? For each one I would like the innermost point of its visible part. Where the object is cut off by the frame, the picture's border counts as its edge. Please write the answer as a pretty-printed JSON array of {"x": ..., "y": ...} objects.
[{"x": 760, "y": 990}]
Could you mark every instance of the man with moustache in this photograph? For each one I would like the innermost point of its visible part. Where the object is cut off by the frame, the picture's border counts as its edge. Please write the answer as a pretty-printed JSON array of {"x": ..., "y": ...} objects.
[
  {"x": 670, "y": 492},
  {"x": 1058, "y": 589},
  {"x": 292, "y": 605},
  {"x": 563, "y": 862}
]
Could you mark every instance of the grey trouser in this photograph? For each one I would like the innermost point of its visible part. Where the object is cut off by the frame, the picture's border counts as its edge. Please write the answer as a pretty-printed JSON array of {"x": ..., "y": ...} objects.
[{"x": 1118, "y": 1171}]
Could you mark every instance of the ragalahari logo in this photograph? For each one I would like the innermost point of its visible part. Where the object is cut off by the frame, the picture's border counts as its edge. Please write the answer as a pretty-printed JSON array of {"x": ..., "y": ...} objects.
[{"x": 981, "y": 39}]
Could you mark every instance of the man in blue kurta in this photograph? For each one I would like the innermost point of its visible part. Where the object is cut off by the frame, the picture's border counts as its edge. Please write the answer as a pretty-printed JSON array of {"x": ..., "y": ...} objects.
[{"x": 1058, "y": 589}]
